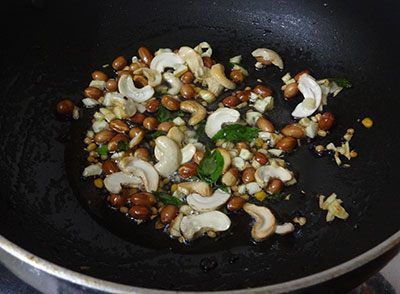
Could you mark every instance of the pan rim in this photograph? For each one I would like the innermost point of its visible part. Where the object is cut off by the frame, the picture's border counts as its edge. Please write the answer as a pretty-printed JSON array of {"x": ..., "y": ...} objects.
[{"x": 107, "y": 286}]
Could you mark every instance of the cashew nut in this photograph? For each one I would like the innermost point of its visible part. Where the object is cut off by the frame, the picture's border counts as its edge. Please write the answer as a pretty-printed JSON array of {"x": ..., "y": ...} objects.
[
  {"x": 174, "y": 82},
  {"x": 218, "y": 73},
  {"x": 265, "y": 221},
  {"x": 201, "y": 188},
  {"x": 153, "y": 76},
  {"x": 170, "y": 156},
  {"x": 193, "y": 60},
  {"x": 176, "y": 134},
  {"x": 268, "y": 55},
  {"x": 128, "y": 89},
  {"x": 196, "y": 109}
]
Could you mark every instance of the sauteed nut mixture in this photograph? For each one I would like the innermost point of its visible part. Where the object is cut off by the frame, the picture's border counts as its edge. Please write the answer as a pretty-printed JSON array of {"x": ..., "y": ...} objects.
[{"x": 164, "y": 153}]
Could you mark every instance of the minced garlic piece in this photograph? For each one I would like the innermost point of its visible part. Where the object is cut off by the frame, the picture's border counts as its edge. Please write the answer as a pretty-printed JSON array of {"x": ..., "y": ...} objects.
[{"x": 333, "y": 205}]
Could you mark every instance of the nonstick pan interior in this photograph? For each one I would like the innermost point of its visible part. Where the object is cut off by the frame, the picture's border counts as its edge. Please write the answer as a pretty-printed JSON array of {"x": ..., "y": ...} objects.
[{"x": 49, "y": 55}]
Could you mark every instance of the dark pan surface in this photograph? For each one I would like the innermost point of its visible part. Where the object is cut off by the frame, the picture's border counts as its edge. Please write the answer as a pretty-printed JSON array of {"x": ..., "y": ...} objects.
[{"x": 51, "y": 49}]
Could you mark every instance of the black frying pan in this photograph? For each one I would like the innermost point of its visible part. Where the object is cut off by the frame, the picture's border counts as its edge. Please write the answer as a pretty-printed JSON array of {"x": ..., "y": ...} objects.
[{"x": 48, "y": 52}]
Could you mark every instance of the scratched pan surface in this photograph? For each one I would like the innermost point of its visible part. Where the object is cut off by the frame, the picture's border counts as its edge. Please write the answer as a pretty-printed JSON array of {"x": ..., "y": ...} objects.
[{"x": 48, "y": 52}]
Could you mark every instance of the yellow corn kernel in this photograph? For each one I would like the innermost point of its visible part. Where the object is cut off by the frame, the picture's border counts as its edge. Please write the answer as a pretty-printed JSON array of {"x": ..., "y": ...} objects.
[
  {"x": 260, "y": 195},
  {"x": 353, "y": 153},
  {"x": 367, "y": 122},
  {"x": 182, "y": 128},
  {"x": 166, "y": 181},
  {"x": 174, "y": 187},
  {"x": 259, "y": 142},
  {"x": 123, "y": 209},
  {"x": 98, "y": 183},
  {"x": 265, "y": 145}
]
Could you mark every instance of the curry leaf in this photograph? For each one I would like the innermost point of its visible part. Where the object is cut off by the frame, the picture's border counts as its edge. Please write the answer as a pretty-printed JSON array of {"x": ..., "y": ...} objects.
[
  {"x": 341, "y": 82},
  {"x": 163, "y": 114},
  {"x": 210, "y": 167},
  {"x": 102, "y": 150},
  {"x": 167, "y": 199},
  {"x": 276, "y": 197},
  {"x": 236, "y": 133},
  {"x": 123, "y": 146},
  {"x": 200, "y": 131},
  {"x": 156, "y": 134}
]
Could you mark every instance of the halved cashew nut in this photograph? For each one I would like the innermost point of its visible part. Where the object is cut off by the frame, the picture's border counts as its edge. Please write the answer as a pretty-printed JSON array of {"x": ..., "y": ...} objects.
[
  {"x": 174, "y": 82},
  {"x": 227, "y": 158},
  {"x": 142, "y": 169},
  {"x": 115, "y": 181},
  {"x": 166, "y": 60},
  {"x": 170, "y": 158},
  {"x": 201, "y": 188},
  {"x": 265, "y": 173},
  {"x": 194, "y": 225},
  {"x": 218, "y": 118},
  {"x": 265, "y": 221},
  {"x": 312, "y": 96},
  {"x": 196, "y": 109},
  {"x": 193, "y": 60},
  {"x": 214, "y": 202},
  {"x": 153, "y": 76},
  {"x": 268, "y": 55},
  {"x": 177, "y": 135},
  {"x": 128, "y": 89},
  {"x": 218, "y": 73}
]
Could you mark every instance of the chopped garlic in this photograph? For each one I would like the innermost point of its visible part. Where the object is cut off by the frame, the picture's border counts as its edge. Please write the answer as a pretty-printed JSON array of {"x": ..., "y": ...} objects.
[{"x": 333, "y": 205}]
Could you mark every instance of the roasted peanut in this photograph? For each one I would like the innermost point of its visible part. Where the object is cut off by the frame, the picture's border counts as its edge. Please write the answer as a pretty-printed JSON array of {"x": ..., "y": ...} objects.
[
  {"x": 111, "y": 85},
  {"x": 244, "y": 96},
  {"x": 187, "y": 91},
  {"x": 165, "y": 126},
  {"x": 103, "y": 136},
  {"x": 150, "y": 123},
  {"x": 187, "y": 77},
  {"x": 110, "y": 167},
  {"x": 235, "y": 203},
  {"x": 168, "y": 213},
  {"x": 263, "y": 61},
  {"x": 265, "y": 125},
  {"x": 170, "y": 103},
  {"x": 291, "y": 90},
  {"x": 208, "y": 62},
  {"x": 113, "y": 144},
  {"x": 286, "y": 144},
  {"x": 198, "y": 156},
  {"x": 248, "y": 175},
  {"x": 143, "y": 199},
  {"x": 297, "y": 77},
  {"x": 65, "y": 106},
  {"x": 274, "y": 186},
  {"x": 139, "y": 212},
  {"x": 119, "y": 63},
  {"x": 145, "y": 55},
  {"x": 236, "y": 76},
  {"x": 93, "y": 92},
  {"x": 99, "y": 76},
  {"x": 142, "y": 153},
  {"x": 134, "y": 66},
  {"x": 188, "y": 170},
  {"x": 260, "y": 158},
  {"x": 137, "y": 118},
  {"x": 136, "y": 133},
  {"x": 230, "y": 101},
  {"x": 326, "y": 121},
  {"x": 262, "y": 91},
  {"x": 117, "y": 200},
  {"x": 140, "y": 81},
  {"x": 119, "y": 126},
  {"x": 294, "y": 130},
  {"x": 152, "y": 106}
]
